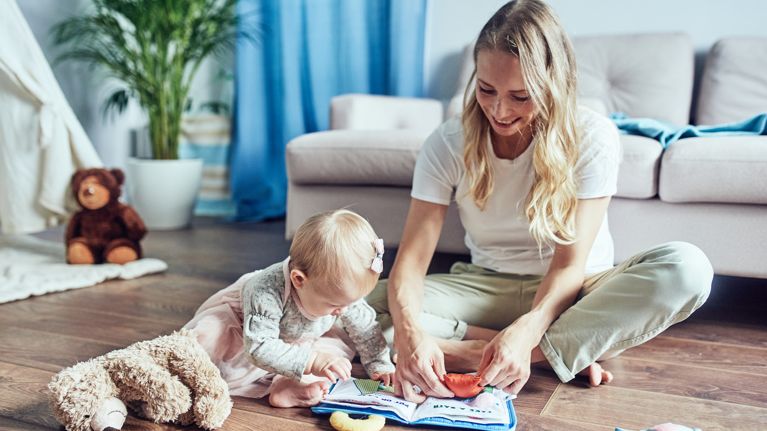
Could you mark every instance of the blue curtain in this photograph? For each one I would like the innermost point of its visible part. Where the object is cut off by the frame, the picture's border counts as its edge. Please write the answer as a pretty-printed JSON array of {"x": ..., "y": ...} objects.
[{"x": 307, "y": 52}]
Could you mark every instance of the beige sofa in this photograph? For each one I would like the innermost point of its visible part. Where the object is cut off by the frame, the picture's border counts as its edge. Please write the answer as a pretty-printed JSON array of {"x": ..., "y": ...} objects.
[{"x": 709, "y": 191}]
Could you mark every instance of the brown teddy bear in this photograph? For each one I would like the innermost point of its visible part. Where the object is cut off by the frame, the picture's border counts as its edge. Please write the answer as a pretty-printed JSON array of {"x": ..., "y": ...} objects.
[
  {"x": 105, "y": 230},
  {"x": 167, "y": 379}
]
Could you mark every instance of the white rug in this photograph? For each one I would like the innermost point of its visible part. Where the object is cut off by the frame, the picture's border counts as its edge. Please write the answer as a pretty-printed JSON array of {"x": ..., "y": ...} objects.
[{"x": 32, "y": 266}]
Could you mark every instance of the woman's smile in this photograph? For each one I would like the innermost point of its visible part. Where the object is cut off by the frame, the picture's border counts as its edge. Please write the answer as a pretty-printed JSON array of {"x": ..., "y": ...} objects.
[{"x": 504, "y": 124}]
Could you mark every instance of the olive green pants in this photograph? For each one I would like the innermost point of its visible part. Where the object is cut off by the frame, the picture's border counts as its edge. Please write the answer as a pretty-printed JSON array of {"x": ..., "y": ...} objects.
[{"x": 616, "y": 309}]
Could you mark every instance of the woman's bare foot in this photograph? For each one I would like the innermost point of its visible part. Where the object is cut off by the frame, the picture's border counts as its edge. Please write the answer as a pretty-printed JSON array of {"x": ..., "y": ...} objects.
[
  {"x": 462, "y": 355},
  {"x": 596, "y": 374},
  {"x": 285, "y": 393}
]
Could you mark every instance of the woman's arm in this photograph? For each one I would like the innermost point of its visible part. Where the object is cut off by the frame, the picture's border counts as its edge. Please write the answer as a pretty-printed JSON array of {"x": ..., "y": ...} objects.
[
  {"x": 506, "y": 360},
  {"x": 419, "y": 240},
  {"x": 420, "y": 361}
]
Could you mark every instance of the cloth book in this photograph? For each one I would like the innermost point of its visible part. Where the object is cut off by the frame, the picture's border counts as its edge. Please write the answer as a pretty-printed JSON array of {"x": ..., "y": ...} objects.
[{"x": 491, "y": 410}]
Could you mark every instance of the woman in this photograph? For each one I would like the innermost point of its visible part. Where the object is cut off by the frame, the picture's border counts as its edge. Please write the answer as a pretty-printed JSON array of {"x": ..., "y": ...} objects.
[{"x": 532, "y": 175}]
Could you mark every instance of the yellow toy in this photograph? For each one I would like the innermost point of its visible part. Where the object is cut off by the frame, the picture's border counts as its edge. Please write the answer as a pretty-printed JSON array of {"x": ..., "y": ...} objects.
[{"x": 341, "y": 421}]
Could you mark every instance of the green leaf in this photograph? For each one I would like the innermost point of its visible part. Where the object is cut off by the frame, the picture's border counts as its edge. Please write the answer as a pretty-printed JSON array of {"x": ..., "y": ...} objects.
[
  {"x": 118, "y": 101},
  {"x": 155, "y": 47}
]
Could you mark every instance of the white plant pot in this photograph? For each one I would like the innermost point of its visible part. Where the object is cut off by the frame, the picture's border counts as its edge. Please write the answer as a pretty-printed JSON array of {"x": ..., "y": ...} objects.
[{"x": 163, "y": 192}]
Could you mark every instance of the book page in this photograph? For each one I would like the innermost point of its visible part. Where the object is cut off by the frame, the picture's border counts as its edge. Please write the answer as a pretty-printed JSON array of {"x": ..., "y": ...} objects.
[
  {"x": 488, "y": 407},
  {"x": 369, "y": 393}
]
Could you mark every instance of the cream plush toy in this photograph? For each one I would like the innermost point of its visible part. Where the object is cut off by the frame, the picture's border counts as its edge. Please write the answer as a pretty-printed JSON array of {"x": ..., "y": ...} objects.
[{"x": 166, "y": 379}]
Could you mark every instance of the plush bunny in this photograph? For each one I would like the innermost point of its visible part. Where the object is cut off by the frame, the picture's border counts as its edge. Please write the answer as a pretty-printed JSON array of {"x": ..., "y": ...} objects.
[{"x": 166, "y": 379}]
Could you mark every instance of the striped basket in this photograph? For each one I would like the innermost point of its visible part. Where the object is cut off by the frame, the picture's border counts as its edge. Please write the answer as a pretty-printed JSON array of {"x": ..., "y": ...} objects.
[{"x": 207, "y": 136}]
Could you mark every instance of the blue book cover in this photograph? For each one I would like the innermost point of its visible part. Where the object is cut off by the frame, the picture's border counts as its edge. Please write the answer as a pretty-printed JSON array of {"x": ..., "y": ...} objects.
[{"x": 490, "y": 410}]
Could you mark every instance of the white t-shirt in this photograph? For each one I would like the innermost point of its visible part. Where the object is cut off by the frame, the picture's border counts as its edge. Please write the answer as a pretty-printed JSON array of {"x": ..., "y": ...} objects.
[{"x": 499, "y": 237}]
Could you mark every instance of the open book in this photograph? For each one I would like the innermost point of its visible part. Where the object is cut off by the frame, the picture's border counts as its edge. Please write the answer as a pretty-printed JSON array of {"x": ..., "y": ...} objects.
[{"x": 490, "y": 410}]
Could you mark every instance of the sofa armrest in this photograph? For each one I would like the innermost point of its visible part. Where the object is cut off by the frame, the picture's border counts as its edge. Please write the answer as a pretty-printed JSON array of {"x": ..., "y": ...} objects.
[
  {"x": 354, "y": 157},
  {"x": 368, "y": 112}
]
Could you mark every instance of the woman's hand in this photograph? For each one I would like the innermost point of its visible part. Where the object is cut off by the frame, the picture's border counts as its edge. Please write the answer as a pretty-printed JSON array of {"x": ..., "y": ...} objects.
[
  {"x": 505, "y": 361},
  {"x": 420, "y": 362}
]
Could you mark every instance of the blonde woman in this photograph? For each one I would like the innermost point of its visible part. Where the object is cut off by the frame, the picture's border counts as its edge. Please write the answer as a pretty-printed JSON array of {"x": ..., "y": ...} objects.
[{"x": 532, "y": 175}]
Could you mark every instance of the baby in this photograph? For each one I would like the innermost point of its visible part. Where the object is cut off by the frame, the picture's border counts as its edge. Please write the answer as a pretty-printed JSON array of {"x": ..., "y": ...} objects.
[{"x": 274, "y": 331}]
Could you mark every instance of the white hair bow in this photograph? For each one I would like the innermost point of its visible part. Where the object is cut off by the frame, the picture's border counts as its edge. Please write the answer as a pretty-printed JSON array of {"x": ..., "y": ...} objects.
[{"x": 377, "y": 264}]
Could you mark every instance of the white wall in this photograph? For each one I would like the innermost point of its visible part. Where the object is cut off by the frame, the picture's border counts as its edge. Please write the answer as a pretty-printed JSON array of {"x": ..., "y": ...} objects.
[
  {"x": 454, "y": 23},
  {"x": 86, "y": 89}
]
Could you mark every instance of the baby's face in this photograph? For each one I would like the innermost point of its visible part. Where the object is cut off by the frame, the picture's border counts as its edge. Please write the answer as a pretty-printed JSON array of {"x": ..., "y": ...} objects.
[{"x": 319, "y": 299}]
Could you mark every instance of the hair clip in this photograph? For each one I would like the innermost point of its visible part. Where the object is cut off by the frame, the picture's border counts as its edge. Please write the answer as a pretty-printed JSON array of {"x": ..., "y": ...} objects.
[{"x": 377, "y": 264}]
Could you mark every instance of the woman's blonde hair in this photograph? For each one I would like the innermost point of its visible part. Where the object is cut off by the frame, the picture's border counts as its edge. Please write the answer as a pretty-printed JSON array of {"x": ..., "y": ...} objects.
[
  {"x": 530, "y": 30},
  {"x": 332, "y": 244}
]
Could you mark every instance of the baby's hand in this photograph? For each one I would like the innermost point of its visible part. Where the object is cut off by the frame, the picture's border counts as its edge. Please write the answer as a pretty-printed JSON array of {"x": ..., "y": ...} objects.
[
  {"x": 326, "y": 365},
  {"x": 386, "y": 378}
]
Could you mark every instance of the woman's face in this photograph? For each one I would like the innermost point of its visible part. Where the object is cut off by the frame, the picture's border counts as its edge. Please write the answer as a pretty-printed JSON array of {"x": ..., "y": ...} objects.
[{"x": 500, "y": 91}]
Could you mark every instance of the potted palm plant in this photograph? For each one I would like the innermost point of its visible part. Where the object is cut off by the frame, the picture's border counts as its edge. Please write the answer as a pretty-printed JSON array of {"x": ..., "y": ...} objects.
[{"x": 154, "y": 49}]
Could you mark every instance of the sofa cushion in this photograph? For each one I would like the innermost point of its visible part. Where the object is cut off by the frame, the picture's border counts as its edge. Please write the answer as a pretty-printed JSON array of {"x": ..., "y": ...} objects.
[
  {"x": 354, "y": 157},
  {"x": 643, "y": 75},
  {"x": 734, "y": 83},
  {"x": 638, "y": 174},
  {"x": 727, "y": 169},
  {"x": 351, "y": 157}
]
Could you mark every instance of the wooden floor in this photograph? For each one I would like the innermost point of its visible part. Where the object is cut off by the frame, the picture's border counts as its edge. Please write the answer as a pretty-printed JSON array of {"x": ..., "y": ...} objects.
[{"x": 709, "y": 372}]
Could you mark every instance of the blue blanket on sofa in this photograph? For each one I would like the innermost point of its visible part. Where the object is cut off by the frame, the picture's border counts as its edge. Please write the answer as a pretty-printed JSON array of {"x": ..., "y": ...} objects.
[{"x": 667, "y": 134}]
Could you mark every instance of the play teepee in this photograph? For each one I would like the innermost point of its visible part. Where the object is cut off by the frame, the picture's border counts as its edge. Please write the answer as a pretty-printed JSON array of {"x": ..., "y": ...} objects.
[{"x": 41, "y": 141}]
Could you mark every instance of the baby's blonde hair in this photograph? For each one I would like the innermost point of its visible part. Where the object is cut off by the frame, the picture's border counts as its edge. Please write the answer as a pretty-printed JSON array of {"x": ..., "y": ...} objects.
[{"x": 332, "y": 244}]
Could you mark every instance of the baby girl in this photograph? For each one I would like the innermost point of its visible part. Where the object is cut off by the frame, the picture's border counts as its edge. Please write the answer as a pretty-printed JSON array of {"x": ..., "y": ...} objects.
[{"x": 275, "y": 331}]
